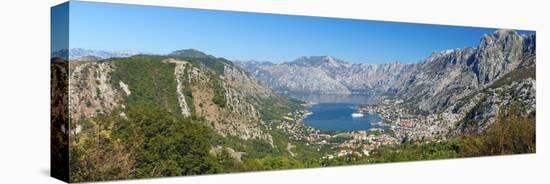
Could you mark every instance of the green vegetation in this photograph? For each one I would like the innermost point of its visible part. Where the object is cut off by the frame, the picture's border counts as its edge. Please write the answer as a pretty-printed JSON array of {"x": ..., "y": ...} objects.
[
  {"x": 156, "y": 143},
  {"x": 510, "y": 134},
  {"x": 150, "y": 142},
  {"x": 163, "y": 149},
  {"x": 190, "y": 53},
  {"x": 95, "y": 155},
  {"x": 275, "y": 107},
  {"x": 219, "y": 93},
  {"x": 151, "y": 82},
  {"x": 214, "y": 64},
  {"x": 198, "y": 58},
  {"x": 260, "y": 154},
  {"x": 340, "y": 138}
]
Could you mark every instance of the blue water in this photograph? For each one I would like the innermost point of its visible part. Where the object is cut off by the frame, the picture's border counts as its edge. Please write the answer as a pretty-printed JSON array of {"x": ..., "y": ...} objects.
[
  {"x": 333, "y": 112},
  {"x": 337, "y": 116}
]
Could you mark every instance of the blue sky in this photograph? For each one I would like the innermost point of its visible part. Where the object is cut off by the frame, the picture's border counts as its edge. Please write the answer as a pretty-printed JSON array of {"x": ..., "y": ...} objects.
[{"x": 263, "y": 37}]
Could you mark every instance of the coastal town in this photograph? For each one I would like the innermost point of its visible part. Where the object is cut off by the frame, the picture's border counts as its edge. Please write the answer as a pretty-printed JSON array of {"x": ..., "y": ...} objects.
[
  {"x": 360, "y": 143},
  {"x": 340, "y": 143},
  {"x": 407, "y": 123},
  {"x": 399, "y": 123}
]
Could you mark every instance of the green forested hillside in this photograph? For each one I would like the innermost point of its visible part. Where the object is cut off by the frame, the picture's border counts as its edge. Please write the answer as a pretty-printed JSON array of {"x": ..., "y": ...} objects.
[
  {"x": 148, "y": 136},
  {"x": 152, "y": 83}
]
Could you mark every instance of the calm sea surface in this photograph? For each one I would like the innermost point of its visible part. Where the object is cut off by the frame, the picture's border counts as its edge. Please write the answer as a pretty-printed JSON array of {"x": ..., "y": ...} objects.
[{"x": 333, "y": 112}]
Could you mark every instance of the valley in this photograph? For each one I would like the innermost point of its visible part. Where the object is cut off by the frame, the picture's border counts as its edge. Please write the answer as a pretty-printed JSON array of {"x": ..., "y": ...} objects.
[{"x": 190, "y": 113}]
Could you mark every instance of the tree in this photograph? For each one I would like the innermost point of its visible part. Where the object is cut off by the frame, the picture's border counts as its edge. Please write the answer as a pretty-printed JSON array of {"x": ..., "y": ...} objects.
[
  {"x": 167, "y": 145},
  {"x": 150, "y": 142},
  {"x": 94, "y": 156}
]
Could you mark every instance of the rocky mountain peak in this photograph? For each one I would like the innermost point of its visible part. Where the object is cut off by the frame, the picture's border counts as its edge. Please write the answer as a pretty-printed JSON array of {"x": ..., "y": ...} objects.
[
  {"x": 438, "y": 54},
  {"x": 332, "y": 62},
  {"x": 500, "y": 37},
  {"x": 500, "y": 52}
]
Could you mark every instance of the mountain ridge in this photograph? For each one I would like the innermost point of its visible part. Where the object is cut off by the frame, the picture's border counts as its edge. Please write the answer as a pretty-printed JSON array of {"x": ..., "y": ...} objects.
[
  {"x": 468, "y": 68},
  {"x": 77, "y": 53}
]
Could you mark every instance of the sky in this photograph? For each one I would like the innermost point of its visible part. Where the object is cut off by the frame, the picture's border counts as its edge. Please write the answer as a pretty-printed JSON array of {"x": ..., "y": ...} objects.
[{"x": 257, "y": 36}]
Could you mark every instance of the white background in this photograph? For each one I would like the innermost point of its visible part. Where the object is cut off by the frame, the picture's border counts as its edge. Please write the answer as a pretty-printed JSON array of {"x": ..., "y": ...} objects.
[{"x": 24, "y": 90}]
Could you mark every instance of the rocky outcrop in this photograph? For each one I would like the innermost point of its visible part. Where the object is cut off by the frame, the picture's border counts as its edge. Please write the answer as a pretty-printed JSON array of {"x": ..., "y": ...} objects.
[
  {"x": 500, "y": 53},
  {"x": 91, "y": 91},
  {"x": 439, "y": 80},
  {"x": 447, "y": 76},
  {"x": 373, "y": 77},
  {"x": 475, "y": 112},
  {"x": 235, "y": 113},
  {"x": 179, "y": 68}
]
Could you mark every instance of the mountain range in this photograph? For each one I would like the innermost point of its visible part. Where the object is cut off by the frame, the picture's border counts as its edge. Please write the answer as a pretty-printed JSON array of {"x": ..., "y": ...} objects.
[
  {"x": 237, "y": 98},
  {"x": 79, "y": 53},
  {"x": 432, "y": 83},
  {"x": 188, "y": 112}
]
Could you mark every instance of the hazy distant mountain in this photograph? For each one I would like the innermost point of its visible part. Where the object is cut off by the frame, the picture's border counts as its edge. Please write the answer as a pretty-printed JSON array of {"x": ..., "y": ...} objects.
[
  {"x": 326, "y": 62},
  {"x": 304, "y": 75},
  {"x": 77, "y": 53},
  {"x": 325, "y": 75}
]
